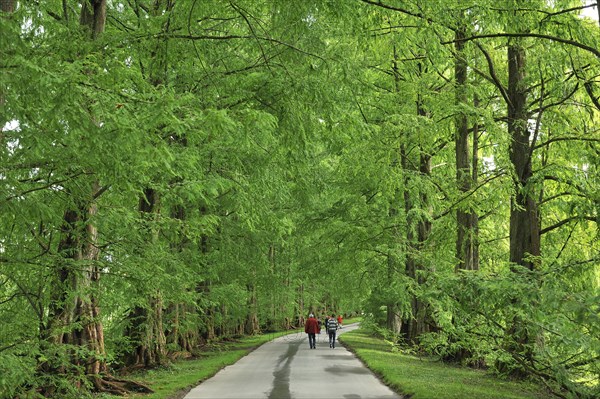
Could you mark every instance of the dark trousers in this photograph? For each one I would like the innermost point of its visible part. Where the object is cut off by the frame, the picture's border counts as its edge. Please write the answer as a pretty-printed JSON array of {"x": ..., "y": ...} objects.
[
  {"x": 312, "y": 341},
  {"x": 332, "y": 339}
]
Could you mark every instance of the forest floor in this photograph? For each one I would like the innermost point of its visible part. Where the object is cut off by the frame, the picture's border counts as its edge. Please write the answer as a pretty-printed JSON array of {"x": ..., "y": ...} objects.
[{"x": 412, "y": 376}]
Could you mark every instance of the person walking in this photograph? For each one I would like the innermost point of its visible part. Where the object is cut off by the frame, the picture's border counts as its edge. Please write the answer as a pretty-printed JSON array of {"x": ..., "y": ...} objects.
[
  {"x": 311, "y": 327},
  {"x": 332, "y": 327},
  {"x": 339, "y": 319}
]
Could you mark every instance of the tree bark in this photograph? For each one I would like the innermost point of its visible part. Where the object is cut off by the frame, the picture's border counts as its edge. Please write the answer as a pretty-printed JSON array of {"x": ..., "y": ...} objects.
[
  {"x": 7, "y": 6},
  {"x": 145, "y": 328},
  {"x": 422, "y": 322},
  {"x": 93, "y": 16},
  {"x": 525, "y": 235},
  {"x": 74, "y": 310},
  {"x": 300, "y": 311},
  {"x": 419, "y": 323},
  {"x": 180, "y": 340},
  {"x": 252, "y": 326},
  {"x": 394, "y": 318},
  {"x": 467, "y": 252},
  {"x": 465, "y": 218},
  {"x": 474, "y": 179},
  {"x": 524, "y": 220}
]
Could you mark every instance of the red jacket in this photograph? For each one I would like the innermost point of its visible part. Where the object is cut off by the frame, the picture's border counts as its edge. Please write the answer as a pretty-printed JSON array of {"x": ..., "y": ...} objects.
[{"x": 311, "y": 326}]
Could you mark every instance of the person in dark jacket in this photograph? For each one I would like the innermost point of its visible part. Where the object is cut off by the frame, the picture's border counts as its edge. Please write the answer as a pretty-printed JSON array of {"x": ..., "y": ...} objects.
[
  {"x": 311, "y": 327},
  {"x": 332, "y": 327}
]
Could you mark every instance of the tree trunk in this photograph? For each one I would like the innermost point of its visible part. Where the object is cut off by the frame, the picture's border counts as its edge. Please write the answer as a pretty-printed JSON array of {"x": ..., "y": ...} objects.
[
  {"x": 74, "y": 310},
  {"x": 93, "y": 16},
  {"x": 467, "y": 252},
  {"x": 145, "y": 329},
  {"x": 393, "y": 316},
  {"x": 178, "y": 338},
  {"x": 524, "y": 221},
  {"x": 74, "y": 313},
  {"x": 465, "y": 217},
  {"x": 7, "y": 6},
  {"x": 300, "y": 311},
  {"x": 251, "y": 326},
  {"x": 420, "y": 322},
  {"x": 474, "y": 179},
  {"x": 423, "y": 318},
  {"x": 413, "y": 327},
  {"x": 203, "y": 288}
]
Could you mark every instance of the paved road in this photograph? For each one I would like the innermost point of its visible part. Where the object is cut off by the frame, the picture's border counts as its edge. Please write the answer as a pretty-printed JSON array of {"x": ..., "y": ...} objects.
[{"x": 286, "y": 368}]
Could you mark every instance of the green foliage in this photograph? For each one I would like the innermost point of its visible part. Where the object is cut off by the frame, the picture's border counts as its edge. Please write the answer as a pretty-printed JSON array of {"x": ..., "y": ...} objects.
[
  {"x": 15, "y": 371},
  {"x": 302, "y": 158},
  {"x": 492, "y": 313}
]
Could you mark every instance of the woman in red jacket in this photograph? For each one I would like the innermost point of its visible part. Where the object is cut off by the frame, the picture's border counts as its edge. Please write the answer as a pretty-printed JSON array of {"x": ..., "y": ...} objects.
[{"x": 311, "y": 327}]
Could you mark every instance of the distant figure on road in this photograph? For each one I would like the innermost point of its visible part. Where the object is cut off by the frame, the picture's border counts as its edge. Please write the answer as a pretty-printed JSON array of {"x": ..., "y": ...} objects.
[
  {"x": 332, "y": 327},
  {"x": 311, "y": 327},
  {"x": 340, "y": 321}
]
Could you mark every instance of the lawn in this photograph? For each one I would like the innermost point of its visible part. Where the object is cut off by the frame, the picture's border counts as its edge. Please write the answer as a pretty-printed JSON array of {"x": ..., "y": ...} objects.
[{"x": 423, "y": 378}]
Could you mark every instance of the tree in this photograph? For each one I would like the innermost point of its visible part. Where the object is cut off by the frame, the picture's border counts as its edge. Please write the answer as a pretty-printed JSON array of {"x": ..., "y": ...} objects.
[{"x": 190, "y": 167}]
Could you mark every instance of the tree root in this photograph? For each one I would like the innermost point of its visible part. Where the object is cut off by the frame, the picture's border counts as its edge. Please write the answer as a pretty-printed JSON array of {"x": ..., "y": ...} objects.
[
  {"x": 116, "y": 386},
  {"x": 180, "y": 355}
]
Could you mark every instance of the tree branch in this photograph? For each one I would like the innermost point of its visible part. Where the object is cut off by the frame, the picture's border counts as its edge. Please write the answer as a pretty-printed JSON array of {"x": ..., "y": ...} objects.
[
  {"x": 590, "y": 91},
  {"x": 492, "y": 71},
  {"x": 392, "y": 8},
  {"x": 467, "y": 195},
  {"x": 565, "y": 221},
  {"x": 571, "y": 138},
  {"x": 230, "y": 37},
  {"x": 582, "y": 46}
]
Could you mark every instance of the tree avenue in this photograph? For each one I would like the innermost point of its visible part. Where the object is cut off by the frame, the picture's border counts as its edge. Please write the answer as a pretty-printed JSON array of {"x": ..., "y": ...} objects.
[{"x": 175, "y": 173}]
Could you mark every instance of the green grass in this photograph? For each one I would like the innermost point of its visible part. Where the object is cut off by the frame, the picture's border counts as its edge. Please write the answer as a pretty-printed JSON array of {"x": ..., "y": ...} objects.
[
  {"x": 171, "y": 381},
  {"x": 351, "y": 320},
  {"x": 428, "y": 379}
]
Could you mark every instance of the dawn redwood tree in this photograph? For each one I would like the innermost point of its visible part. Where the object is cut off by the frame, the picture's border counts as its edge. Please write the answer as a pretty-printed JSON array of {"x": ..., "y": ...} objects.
[
  {"x": 79, "y": 243},
  {"x": 145, "y": 321},
  {"x": 466, "y": 167},
  {"x": 74, "y": 313},
  {"x": 531, "y": 96}
]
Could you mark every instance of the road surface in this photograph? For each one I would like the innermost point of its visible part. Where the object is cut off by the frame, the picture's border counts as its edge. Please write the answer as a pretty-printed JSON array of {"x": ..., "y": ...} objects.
[{"x": 286, "y": 368}]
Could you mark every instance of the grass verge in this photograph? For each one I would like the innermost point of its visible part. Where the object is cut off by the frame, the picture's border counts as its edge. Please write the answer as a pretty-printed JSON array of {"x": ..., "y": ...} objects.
[{"x": 422, "y": 378}]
